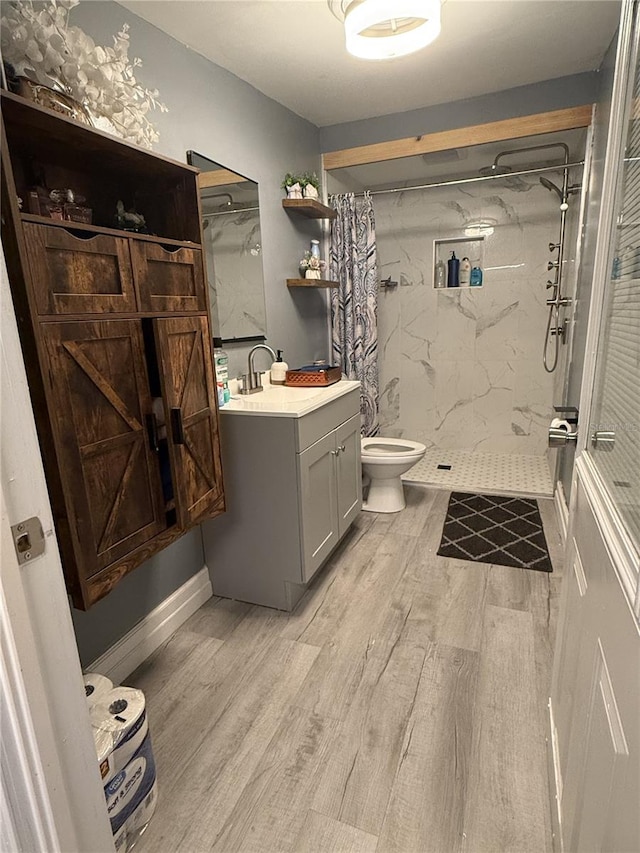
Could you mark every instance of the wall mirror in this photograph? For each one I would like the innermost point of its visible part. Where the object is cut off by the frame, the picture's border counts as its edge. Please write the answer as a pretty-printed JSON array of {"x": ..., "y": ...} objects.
[{"x": 233, "y": 251}]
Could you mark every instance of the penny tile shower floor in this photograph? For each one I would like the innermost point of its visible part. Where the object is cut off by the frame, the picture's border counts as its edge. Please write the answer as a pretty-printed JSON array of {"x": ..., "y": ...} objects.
[{"x": 492, "y": 473}]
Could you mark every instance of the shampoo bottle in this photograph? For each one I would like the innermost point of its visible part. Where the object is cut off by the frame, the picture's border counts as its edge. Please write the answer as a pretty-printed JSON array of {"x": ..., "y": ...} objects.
[
  {"x": 465, "y": 272},
  {"x": 279, "y": 370},
  {"x": 440, "y": 275},
  {"x": 453, "y": 271}
]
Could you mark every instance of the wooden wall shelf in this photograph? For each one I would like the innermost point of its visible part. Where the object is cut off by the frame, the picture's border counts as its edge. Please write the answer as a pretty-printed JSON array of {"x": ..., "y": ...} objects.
[
  {"x": 309, "y": 207},
  {"x": 310, "y": 282}
]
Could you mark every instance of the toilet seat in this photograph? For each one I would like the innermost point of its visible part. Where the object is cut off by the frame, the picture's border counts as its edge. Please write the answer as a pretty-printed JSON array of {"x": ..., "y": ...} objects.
[{"x": 388, "y": 448}]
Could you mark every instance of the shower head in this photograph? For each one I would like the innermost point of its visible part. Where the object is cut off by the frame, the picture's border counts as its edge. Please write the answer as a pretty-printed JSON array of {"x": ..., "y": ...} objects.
[
  {"x": 494, "y": 169},
  {"x": 549, "y": 185},
  {"x": 226, "y": 205}
]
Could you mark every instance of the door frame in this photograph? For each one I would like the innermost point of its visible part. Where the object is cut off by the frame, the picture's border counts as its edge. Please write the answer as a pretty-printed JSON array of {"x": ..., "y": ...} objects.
[
  {"x": 55, "y": 795},
  {"x": 611, "y": 528},
  {"x": 615, "y": 535}
]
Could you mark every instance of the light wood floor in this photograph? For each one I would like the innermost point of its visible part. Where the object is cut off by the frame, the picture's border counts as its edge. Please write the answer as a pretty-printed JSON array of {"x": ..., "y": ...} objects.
[{"x": 401, "y": 707}]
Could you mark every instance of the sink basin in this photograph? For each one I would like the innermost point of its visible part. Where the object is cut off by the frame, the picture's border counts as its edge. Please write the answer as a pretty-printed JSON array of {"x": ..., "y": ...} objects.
[{"x": 284, "y": 401}]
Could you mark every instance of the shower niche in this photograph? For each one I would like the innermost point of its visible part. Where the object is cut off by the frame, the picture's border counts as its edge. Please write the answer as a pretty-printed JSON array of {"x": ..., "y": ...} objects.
[{"x": 464, "y": 247}]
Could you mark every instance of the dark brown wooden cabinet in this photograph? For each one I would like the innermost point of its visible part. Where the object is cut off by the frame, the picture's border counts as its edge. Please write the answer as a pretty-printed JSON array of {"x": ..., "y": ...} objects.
[{"x": 117, "y": 342}]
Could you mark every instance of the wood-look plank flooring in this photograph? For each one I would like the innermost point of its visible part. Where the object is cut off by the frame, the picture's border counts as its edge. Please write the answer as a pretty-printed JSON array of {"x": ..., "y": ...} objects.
[{"x": 399, "y": 709}]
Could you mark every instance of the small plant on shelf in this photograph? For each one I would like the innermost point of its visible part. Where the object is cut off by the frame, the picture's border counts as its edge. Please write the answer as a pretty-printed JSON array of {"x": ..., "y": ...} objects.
[
  {"x": 292, "y": 185},
  {"x": 310, "y": 185},
  {"x": 311, "y": 266}
]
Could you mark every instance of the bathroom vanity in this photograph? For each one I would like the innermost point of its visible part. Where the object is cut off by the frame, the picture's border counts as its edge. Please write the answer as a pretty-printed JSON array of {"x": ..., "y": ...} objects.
[{"x": 293, "y": 486}]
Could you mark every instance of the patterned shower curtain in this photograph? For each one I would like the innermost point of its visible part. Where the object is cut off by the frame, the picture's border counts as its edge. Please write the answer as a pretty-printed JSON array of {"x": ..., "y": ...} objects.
[{"x": 354, "y": 304}]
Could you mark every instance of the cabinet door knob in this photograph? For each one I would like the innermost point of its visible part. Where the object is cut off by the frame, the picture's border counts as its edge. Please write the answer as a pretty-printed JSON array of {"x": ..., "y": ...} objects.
[
  {"x": 177, "y": 428},
  {"x": 342, "y": 448}
]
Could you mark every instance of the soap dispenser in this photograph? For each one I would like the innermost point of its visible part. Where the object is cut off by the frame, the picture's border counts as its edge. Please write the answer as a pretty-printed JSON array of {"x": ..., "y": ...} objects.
[
  {"x": 279, "y": 370},
  {"x": 453, "y": 271}
]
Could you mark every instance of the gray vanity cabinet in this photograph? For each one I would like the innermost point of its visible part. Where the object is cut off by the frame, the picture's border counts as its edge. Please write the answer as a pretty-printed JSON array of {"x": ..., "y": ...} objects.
[
  {"x": 330, "y": 492},
  {"x": 293, "y": 486}
]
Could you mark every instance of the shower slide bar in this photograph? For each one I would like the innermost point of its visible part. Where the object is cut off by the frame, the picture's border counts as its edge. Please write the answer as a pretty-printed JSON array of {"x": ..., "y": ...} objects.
[{"x": 478, "y": 179}]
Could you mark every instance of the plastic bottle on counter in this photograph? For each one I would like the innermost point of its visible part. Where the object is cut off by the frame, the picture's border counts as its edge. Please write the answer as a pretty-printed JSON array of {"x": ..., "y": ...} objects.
[
  {"x": 221, "y": 361},
  {"x": 279, "y": 370}
]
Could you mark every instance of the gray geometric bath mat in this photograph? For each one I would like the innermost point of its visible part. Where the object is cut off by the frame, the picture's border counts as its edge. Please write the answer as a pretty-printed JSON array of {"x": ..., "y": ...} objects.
[{"x": 495, "y": 529}]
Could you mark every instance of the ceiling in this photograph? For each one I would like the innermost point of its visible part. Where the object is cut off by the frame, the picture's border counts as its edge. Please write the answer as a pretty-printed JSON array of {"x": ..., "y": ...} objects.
[{"x": 293, "y": 50}]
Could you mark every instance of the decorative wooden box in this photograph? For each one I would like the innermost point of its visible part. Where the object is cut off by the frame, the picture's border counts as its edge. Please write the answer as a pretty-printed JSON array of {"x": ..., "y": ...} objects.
[{"x": 312, "y": 375}]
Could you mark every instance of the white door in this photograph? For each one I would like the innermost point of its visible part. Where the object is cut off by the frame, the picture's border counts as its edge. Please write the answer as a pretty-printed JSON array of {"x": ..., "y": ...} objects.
[
  {"x": 51, "y": 795},
  {"x": 595, "y": 694}
]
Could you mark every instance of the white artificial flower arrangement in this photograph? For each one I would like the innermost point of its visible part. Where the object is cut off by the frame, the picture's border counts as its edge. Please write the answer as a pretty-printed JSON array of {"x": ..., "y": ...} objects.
[{"x": 37, "y": 40}]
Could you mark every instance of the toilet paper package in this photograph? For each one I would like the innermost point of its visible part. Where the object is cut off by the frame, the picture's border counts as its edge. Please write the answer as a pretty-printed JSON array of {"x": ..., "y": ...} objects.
[
  {"x": 119, "y": 717},
  {"x": 120, "y": 840},
  {"x": 140, "y": 817},
  {"x": 128, "y": 790},
  {"x": 96, "y": 686}
]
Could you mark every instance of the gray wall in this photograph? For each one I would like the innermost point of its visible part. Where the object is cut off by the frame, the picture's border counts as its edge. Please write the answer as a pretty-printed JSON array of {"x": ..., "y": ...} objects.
[
  {"x": 222, "y": 117},
  {"x": 555, "y": 94}
]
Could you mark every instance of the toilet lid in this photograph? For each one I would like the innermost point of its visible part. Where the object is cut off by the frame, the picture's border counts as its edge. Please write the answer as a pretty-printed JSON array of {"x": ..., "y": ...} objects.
[{"x": 390, "y": 446}]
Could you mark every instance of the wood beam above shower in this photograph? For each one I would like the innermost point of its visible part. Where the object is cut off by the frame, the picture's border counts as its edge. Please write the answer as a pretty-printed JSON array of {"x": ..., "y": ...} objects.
[{"x": 463, "y": 137}]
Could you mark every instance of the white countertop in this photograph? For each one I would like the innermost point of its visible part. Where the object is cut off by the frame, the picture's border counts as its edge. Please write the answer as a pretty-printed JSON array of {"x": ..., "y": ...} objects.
[{"x": 282, "y": 401}]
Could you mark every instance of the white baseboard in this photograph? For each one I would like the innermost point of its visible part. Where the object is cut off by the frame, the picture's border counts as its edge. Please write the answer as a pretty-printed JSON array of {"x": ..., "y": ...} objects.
[
  {"x": 144, "y": 638},
  {"x": 562, "y": 510}
]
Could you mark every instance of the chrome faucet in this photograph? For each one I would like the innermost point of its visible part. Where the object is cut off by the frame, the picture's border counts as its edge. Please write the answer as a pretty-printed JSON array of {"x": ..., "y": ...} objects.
[{"x": 252, "y": 380}]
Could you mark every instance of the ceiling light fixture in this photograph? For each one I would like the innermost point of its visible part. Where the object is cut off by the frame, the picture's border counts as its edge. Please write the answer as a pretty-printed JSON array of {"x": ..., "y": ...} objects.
[{"x": 384, "y": 29}]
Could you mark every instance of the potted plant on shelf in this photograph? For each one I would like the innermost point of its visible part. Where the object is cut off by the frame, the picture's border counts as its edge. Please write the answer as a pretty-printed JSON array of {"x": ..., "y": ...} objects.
[
  {"x": 311, "y": 266},
  {"x": 292, "y": 185},
  {"x": 310, "y": 185}
]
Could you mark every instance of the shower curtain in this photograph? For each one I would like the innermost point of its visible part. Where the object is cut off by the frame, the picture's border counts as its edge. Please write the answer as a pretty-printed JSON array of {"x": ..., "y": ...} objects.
[{"x": 354, "y": 304}]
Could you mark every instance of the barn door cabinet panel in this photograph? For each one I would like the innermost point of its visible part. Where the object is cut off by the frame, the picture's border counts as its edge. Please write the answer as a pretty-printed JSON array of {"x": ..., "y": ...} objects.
[
  {"x": 102, "y": 402},
  {"x": 79, "y": 273},
  {"x": 188, "y": 390},
  {"x": 168, "y": 278},
  {"x": 124, "y": 393}
]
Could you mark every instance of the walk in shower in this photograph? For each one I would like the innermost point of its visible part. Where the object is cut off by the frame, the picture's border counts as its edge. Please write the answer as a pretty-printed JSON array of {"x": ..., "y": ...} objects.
[{"x": 474, "y": 372}]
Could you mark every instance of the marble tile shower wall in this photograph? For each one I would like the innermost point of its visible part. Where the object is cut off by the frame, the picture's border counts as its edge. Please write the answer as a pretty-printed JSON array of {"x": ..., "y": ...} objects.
[
  {"x": 462, "y": 369},
  {"x": 232, "y": 244}
]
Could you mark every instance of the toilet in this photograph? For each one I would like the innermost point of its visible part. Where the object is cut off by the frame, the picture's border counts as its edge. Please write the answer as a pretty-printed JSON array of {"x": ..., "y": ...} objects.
[{"x": 384, "y": 460}]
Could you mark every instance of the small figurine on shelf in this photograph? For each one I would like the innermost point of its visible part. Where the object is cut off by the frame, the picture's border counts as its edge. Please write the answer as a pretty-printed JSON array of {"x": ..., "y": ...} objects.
[
  {"x": 292, "y": 185},
  {"x": 311, "y": 265},
  {"x": 129, "y": 220}
]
